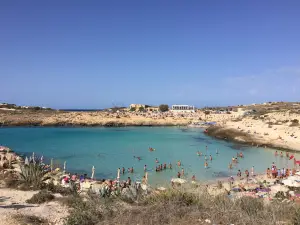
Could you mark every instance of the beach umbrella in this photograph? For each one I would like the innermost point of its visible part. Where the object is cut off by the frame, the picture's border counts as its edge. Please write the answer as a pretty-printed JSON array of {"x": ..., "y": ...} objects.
[
  {"x": 118, "y": 174},
  {"x": 51, "y": 165},
  {"x": 146, "y": 177},
  {"x": 42, "y": 158},
  {"x": 93, "y": 172},
  {"x": 33, "y": 158},
  {"x": 26, "y": 161},
  {"x": 65, "y": 166}
]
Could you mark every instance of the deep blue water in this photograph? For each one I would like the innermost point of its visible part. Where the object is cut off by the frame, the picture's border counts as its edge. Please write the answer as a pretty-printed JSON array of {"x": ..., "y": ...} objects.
[{"x": 111, "y": 148}]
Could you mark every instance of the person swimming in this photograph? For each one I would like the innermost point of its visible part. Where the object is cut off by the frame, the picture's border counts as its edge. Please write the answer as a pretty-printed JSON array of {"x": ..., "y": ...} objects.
[
  {"x": 198, "y": 153},
  {"x": 205, "y": 165}
]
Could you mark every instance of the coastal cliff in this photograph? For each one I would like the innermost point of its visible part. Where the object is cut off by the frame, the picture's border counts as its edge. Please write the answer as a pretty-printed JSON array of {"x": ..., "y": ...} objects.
[{"x": 59, "y": 118}]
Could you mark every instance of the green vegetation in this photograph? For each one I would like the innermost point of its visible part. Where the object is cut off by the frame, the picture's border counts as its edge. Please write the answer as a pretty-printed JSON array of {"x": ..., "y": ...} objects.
[
  {"x": 132, "y": 109},
  {"x": 163, "y": 108},
  {"x": 141, "y": 109},
  {"x": 40, "y": 197},
  {"x": 33, "y": 175},
  {"x": 181, "y": 207}
]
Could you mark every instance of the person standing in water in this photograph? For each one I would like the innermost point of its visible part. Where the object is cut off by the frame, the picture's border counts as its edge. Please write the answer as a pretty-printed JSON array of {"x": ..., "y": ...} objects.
[
  {"x": 178, "y": 175},
  {"x": 156, "y": 160},
  {"x": 179, "y": 163},
  {"x": 145, "y": 168},
  {"x": 210, "y": 158},
  {"x": 170, "y": 166},
  {"x": 217, "y": 151},
  {"x": 182, "y": 172},
  {"x": 276, "y": 153},
  {"x": 252, "y": 171},
  {"x": 205, "y": 165},
  {"x": 281, "y": 154}
]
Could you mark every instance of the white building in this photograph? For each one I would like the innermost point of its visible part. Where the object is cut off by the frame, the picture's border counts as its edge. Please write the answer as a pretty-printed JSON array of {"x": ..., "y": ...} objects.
[{"x": 183, "y": 108}]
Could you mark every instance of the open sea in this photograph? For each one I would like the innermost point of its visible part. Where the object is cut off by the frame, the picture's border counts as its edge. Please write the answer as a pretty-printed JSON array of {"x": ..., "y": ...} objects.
[{"x": 111, "y": 148}]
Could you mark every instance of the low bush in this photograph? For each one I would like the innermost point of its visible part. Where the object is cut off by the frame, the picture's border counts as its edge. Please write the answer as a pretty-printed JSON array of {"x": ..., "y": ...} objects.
[
  {"x": 59, "y": 189},
  {"x": 32, "y": 220},
  {"x": 40, "y": 197},
  {"x": 181, "y": 207}
]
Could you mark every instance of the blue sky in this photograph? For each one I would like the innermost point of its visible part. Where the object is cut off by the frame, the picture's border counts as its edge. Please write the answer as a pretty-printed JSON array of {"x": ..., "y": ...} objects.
[{"x": 93, "y": 54}]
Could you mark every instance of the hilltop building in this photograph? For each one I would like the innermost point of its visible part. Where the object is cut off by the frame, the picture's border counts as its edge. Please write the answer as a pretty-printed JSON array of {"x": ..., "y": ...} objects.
[{"x": 147, "y": 108}]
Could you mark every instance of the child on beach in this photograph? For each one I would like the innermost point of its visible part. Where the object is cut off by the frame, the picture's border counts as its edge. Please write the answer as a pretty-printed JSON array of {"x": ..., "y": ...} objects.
[
  {"x": 193, "y": 178},
  {"x": 268, "y": 173}
]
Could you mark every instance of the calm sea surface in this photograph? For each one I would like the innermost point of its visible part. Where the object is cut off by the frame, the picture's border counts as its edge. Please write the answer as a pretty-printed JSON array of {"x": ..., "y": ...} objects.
[{"x": 111, "y": 148}]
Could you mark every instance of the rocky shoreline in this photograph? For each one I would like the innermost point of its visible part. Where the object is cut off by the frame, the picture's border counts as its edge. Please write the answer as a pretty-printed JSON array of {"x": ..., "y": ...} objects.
[{"x": 240, "y": 137}]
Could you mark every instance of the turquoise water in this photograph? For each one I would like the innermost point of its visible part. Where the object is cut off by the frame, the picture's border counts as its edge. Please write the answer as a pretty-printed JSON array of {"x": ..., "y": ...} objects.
[{"x": 111, "y": 148}]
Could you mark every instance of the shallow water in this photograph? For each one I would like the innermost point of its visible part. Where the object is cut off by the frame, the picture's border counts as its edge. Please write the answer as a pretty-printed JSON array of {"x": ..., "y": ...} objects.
[{"x": 111, "y": 148}]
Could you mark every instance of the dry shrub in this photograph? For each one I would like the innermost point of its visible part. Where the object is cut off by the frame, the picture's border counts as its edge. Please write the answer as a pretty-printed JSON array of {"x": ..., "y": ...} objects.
[
  {"x": 182, "y": 207},
  {"x": 32, "y": 220},
  {"x": 40, "y": 197},
  {"x": 59, "y": 189}
]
